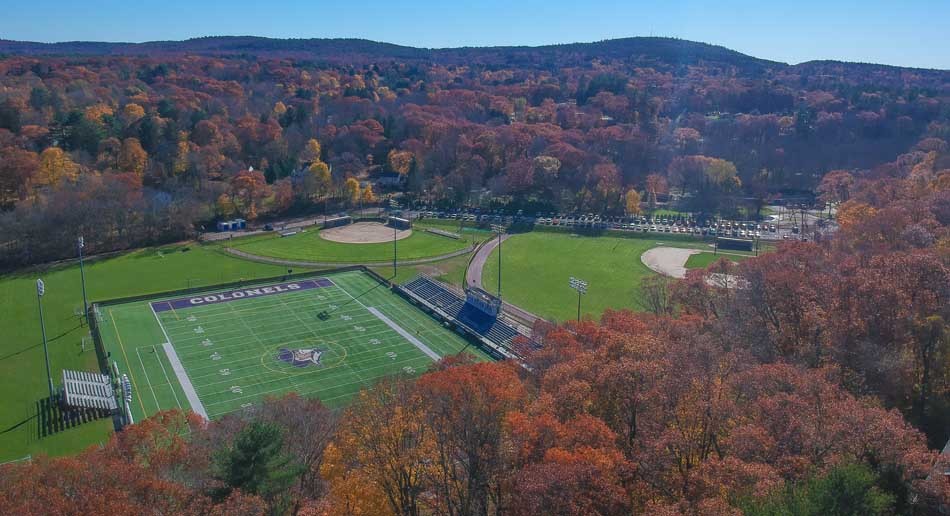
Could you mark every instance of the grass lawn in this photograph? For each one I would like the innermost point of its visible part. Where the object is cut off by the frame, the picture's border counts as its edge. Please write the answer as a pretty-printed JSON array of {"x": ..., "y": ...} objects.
[
  {"x": 450, "y": 271},
  {"x": 537, "y": 266},
  {"x": 238, "y": 351},
  {"x": 22, "y": 368},
  {"x": 308, "y": 246},
  {"x": 703, "y": 260}
]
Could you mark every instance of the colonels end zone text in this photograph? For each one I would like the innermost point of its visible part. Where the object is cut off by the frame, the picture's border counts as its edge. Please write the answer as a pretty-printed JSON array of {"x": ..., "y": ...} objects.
[{"x": 232, "y": 295}]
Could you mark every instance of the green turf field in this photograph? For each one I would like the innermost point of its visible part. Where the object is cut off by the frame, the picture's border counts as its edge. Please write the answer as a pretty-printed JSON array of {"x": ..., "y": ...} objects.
[
  {"x": 308, "y": 246},
  {"x": 537, "y": 266},
  {"x": 22, "y": 369},
  {"x": 237, "y": 352}
]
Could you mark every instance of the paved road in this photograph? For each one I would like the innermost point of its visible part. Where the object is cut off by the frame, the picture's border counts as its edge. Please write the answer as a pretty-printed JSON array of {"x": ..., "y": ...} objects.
[{"x": 473, "y": 278}]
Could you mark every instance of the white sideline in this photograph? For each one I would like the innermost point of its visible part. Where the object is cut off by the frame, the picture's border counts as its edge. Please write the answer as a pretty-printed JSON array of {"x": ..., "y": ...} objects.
[
  {"x": 416, "y": 342},
  {"x": 179, "y": 371},
  {"x": 186, "y": 386}
]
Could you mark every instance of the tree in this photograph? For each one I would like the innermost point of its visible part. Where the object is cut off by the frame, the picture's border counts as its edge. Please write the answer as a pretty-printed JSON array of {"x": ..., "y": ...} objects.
[
  {"x": 465, "y": 407},
  {"x": 845, "y": 490},
  {"x": 319, "y": 180},
  {"x": 56, "y": 167},
  {"x": 256, "y": 463},
  {"x": 132, "y": 113},
  {"x": 310, "y": 153},
  {"x": 382, "y": 453},
  {"x": 17, "y": 169},
  {"x": 632, "y": 202},
  {"x": 132, "y": 157},
  {"x": 351, "y": 190},
  {"x": 656, "y": 185},
  {"x": 835, "y": 186},
  {"x": 400, "y": 161},
  {"x": 247, "y": 189},
  {"x": 367, "y": 195}
]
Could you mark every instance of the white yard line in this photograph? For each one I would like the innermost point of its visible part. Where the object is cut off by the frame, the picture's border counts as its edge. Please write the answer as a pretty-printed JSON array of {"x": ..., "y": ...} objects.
[
  {"x": 158, "y": 406},
  {"x": 179, "y": 371},
  {"x": 406, "y": 335}
]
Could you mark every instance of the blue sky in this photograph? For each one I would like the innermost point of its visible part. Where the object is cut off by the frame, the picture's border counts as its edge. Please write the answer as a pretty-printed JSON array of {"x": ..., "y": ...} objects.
[{"x": 907, "y": 33}]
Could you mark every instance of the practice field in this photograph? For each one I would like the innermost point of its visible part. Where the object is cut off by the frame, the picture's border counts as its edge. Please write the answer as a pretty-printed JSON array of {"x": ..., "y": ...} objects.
[
  {"x": 220, "y": 350},
  {"x": 308, "y": 246},
  {"x": 538, "y": 265}
]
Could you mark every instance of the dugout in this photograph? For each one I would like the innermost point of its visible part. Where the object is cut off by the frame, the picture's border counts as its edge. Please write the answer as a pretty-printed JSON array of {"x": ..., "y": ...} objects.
[
  {"x": 399, "y": 223},
  {"x": 734, "y": 244},
  {"x": 336, "y": 222}
]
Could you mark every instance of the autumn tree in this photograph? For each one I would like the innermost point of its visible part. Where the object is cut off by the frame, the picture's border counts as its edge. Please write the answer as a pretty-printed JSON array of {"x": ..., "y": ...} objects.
[
  {"x": 382, "y": 453},
  {"x": 18, "y": 167},
  {"x": 367, "y": 195},
  {"x": 632, "y": 202},
  {"x": 465, "y": 407},
  {"x": 132, "y": 157},
  {"x": 247, "y": 189},
  {"x": 55, "y": 167},
  {"x": 351, "y": 190},
  {"x": 311, "y": 152},
  {"x": 400, "y": 161}
]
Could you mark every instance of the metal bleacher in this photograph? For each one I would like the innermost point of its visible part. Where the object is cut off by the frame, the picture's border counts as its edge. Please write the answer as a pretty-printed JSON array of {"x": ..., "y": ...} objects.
[
  {"x": 88, "y": 390},
  {"x": 454, "y": 306}
]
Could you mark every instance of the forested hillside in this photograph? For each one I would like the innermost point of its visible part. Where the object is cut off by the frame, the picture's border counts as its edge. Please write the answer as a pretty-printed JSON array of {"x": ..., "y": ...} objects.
[{"x": 143, "y": 149}]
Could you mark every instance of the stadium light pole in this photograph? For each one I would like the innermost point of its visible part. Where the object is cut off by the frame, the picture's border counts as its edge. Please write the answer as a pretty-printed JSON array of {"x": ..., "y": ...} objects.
[
  {"x": 581, "y": 287},
  {"x": 393, "y": 205},
  {"x": 82, "y": 275},
  {"x": 499, "y": 230},
  {"x": 40, "y": 290}
]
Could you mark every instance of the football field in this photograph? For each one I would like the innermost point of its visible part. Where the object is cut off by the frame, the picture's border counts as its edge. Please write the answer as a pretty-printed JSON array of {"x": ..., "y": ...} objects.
[{"x": 217, "y": 351}]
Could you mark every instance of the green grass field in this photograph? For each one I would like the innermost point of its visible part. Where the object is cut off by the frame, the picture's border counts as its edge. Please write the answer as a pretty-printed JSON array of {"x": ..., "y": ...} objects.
[
  {"x": 22, "y": 369},
  {"x": 703, "y": 260},
  {"x": 308, "y": 246},
  {"x": 537, "y": 266},
  {"x": 229, "y": 350}
]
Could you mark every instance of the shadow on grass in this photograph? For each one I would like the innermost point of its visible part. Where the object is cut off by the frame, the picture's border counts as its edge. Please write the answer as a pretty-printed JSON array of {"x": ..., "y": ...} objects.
[{"x": 54, "y": 418}]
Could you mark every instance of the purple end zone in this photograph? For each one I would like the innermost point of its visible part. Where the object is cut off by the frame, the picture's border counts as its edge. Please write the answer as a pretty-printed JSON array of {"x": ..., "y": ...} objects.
[{"x": 241, "y": 293}]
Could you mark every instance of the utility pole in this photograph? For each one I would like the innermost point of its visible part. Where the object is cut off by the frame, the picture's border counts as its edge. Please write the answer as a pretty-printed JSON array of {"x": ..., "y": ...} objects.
[
  {"x": 499, "y": 230},
  {"x": 581, "y": 287},
  {"x": 393, "y": 205},
  {"x": 40, "y": 290},
  {"x": 82, "y": 274}
]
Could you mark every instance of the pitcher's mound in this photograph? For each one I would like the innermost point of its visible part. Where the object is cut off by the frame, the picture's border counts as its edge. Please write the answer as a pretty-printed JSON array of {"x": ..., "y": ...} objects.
[{"x": 363, "y": 233}]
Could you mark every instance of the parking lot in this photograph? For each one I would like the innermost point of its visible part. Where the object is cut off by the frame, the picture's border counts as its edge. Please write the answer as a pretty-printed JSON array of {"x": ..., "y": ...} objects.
[{"x": 682, "y": 225}]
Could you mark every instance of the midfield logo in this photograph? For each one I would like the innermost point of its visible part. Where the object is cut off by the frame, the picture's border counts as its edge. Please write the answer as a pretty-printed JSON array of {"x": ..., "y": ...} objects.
[{"x": 301, "y": 357}]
